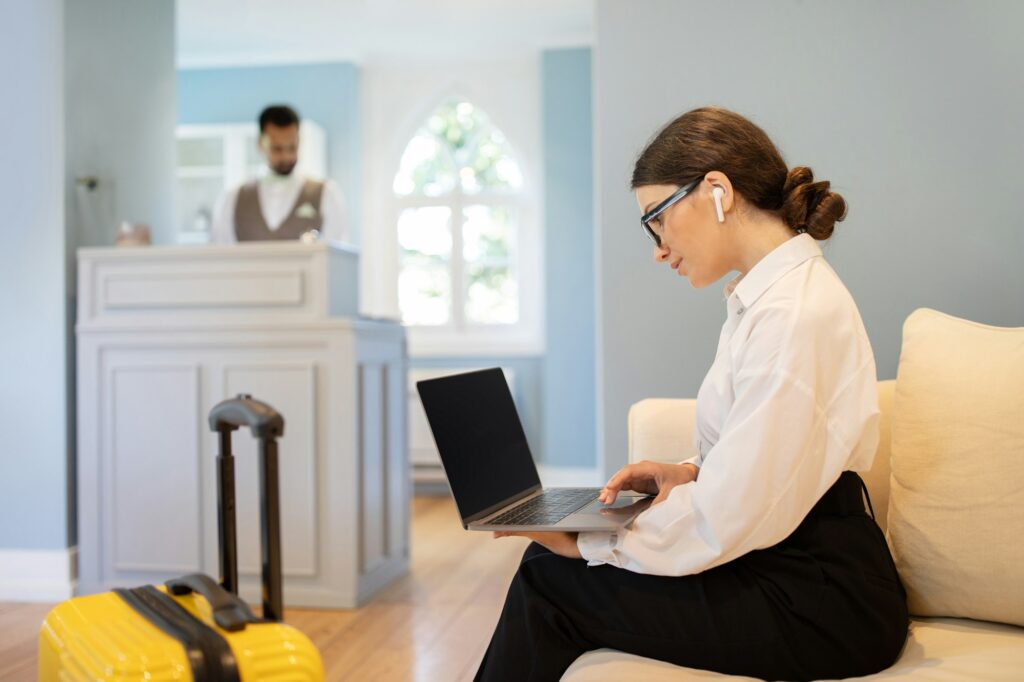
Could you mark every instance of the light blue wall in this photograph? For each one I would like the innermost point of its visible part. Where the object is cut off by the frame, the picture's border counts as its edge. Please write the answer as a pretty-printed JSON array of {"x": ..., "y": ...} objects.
[
  {"x": 33, "y": 457},
  {"x": 567, "y": 379},
  {"x": 120, "y": 117},
  {"x": 325, "y": 93},
  {"x": 119, "y": 127},
  {"x": 912, "y": 109},
  {"x": 94, "y": 94}
]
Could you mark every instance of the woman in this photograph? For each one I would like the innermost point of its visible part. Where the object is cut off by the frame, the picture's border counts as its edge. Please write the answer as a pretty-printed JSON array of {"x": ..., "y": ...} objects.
[{"x": 757, "y": 556}]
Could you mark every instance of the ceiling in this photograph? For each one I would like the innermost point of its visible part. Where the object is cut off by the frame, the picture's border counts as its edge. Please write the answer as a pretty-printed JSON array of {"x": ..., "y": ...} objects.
[{"x": 239, "y": 32}]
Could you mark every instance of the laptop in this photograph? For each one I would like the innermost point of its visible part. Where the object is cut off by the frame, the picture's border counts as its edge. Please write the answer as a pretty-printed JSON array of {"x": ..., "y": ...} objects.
[{"x": 490, "y": 469}]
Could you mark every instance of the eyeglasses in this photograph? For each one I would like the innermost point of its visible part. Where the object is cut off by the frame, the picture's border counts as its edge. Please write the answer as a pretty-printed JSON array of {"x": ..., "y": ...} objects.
[{"x": 654, "y": 213}]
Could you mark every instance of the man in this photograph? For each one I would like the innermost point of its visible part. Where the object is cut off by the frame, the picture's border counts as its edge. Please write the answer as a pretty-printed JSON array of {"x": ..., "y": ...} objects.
[{"x": 282, "y": 204}]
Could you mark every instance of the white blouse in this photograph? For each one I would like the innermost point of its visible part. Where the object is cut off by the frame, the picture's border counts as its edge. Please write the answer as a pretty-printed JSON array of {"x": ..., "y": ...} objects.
[{"x": 789, "y": 403}]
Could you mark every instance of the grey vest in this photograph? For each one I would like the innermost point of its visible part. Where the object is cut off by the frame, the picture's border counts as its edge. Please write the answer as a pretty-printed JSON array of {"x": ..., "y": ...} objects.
[{"x": 251, "y": 226}]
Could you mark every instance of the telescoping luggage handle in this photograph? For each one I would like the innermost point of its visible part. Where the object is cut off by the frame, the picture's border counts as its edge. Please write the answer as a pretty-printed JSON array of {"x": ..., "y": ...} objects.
[{"x": 266, "y": 425}]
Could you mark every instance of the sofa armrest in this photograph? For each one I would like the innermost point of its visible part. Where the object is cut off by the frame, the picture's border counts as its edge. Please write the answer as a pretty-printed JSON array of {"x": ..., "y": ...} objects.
[{"x": 661, "y": 430}]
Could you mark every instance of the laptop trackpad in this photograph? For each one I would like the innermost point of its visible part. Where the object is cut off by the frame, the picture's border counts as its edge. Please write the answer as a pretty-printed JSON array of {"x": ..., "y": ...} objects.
[
  {"x": 624, "y": 506},
  {"x": 597, "y": 516}
]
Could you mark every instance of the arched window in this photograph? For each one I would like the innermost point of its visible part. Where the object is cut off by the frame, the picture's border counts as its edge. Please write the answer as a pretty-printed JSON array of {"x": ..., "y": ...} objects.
[{"x": 461, "y": 214}]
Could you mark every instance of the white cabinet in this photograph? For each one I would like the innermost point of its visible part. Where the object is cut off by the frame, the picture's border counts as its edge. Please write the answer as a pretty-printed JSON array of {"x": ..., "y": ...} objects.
[
  {"x": 166, "y": 333},
  {"x": 216, "y": 157}
]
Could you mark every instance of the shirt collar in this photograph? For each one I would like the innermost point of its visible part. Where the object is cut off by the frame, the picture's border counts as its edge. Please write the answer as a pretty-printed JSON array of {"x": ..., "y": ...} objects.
[
  {"x": 780, "y": 260},
  {"x": 269, "y": 178}
]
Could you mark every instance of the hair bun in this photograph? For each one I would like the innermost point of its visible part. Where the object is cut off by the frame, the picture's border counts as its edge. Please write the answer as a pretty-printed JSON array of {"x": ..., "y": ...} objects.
[{"x": 810, "y": 206}]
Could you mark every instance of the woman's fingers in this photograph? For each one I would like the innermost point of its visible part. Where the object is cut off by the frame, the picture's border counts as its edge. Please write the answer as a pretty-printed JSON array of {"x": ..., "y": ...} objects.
[
  {"x": 639, "y": 477},
  {"x": 648, "y": 477},
  {"x": 611, "y": 488}
]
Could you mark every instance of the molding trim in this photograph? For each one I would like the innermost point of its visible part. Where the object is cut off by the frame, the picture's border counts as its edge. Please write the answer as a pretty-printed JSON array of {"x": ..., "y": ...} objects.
[{"x": 38, "y": 575}]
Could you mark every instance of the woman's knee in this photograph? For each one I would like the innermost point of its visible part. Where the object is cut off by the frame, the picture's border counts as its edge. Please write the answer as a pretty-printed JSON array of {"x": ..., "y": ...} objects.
[{"x": 546, "y": 575}]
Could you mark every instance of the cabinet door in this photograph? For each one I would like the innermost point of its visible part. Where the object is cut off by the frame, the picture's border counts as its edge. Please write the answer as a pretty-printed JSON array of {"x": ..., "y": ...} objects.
[
  {"x": 147, "y": 458},
  {"x": 139, "y": 469},
  {"x": 289, "y": 385},
  {"x": 147, "y": 470}
]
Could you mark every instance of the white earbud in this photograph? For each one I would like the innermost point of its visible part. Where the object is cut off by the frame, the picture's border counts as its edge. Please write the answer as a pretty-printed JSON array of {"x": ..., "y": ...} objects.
[{"x": 718, "y": 193}]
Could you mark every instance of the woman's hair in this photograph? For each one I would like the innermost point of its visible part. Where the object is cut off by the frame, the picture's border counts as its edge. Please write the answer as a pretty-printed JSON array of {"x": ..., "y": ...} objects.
[{"x": 711, "y": 138}]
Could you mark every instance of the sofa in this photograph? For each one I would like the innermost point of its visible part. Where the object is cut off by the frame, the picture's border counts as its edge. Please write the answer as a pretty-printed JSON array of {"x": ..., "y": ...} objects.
[{"x": 947, "y": 487}]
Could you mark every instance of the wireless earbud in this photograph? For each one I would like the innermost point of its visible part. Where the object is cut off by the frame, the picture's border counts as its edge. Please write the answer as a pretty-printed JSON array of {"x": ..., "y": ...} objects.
[{"x": 718, "y": 193}]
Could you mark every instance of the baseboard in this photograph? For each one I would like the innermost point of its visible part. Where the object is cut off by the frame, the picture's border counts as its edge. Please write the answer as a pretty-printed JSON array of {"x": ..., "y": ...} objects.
[
  {"x": 38, "y": 575},
  {"x": 569, "y": 477}
]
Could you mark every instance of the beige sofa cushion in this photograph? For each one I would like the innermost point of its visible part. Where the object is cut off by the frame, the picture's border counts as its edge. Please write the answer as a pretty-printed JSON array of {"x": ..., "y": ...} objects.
[
  {"x": 938, "y": 650},
  {"x": 956, "y": 506}
]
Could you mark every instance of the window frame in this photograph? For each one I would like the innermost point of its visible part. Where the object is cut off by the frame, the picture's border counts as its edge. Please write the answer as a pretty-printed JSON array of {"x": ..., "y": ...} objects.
[{"x": 458, "y": 338}]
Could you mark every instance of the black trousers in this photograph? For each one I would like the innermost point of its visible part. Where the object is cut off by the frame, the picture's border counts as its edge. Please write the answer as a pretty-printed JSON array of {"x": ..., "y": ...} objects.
[{"x": 824, "y": 603}]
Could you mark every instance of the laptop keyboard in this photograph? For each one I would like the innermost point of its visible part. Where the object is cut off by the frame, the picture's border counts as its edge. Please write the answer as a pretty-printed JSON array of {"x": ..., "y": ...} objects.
[{"x": 546, "y": 509}]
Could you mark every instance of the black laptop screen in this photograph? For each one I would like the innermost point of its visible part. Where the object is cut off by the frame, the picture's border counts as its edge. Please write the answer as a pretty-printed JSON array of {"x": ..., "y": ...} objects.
[{"x": 480, "y": 439}]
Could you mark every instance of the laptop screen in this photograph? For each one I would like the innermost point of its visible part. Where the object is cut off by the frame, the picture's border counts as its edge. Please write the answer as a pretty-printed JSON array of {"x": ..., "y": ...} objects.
[{"x": 480, "y": 439}]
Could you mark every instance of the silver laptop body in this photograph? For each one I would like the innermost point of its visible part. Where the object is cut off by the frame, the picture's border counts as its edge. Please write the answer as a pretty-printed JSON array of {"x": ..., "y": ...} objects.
[{"x": 490, "y": 470}]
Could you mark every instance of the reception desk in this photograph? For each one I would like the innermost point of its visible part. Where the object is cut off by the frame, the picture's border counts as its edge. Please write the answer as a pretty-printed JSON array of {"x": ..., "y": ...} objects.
[{"x": 165, "y": 333}]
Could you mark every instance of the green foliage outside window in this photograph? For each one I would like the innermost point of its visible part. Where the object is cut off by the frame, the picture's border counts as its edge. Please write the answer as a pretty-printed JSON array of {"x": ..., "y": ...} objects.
[{"x": 458, "y": 152}]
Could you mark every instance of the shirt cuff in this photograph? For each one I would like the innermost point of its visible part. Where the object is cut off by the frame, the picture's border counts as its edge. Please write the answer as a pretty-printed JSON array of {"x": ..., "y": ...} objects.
[
  {"x": 597, "y": 547},
  {"x": 696, "y": 461}
]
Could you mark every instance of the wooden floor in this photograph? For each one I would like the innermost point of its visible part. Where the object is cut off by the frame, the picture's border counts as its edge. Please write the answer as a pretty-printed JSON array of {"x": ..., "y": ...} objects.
[{"x": 431, "y": 625}]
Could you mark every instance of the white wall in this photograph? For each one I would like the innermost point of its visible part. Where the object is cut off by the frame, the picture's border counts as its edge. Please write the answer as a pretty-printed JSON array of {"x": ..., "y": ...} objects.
[{"x": 912, "y": 109}]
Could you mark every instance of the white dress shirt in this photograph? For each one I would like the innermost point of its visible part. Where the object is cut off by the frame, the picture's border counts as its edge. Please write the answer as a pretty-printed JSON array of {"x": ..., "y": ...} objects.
[
  {"x": 789, "y": 403},
  {"x": 277, "y": 195}
]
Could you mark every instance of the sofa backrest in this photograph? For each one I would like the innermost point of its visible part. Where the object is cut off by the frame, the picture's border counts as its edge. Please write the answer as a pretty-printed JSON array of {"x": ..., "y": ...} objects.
[{"x": 877, "y": 480}]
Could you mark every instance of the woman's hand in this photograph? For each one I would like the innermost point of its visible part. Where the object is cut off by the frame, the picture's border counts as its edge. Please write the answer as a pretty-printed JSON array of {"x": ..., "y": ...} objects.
[
  {"x": 648, "y": 477},
  {"x": 559, "y": 542},
  {"x": 644, "y": 477}
]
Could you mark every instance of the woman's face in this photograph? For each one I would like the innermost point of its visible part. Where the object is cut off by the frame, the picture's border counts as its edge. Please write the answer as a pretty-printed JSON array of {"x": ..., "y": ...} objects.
[{"x": 693, "y": 242}]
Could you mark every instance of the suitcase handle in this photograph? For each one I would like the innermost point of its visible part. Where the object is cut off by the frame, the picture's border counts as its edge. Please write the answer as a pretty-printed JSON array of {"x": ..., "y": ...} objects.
[
  {"x": 267, "y": 425},
  {"x": 229, "y": 612},
  {"x": 262, "y": 419}
]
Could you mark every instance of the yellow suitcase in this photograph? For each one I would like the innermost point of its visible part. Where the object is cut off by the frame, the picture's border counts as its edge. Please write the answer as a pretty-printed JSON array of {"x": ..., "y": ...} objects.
[{"x": 192, "y": 628}]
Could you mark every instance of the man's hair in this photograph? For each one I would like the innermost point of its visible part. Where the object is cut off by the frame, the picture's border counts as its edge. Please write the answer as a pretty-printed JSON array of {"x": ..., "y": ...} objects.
[{"x": 280, "y": 115}]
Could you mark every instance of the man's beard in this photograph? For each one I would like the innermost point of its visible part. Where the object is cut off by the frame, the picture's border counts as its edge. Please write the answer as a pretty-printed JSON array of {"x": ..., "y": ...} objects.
[{"x": 284, "y": 168}]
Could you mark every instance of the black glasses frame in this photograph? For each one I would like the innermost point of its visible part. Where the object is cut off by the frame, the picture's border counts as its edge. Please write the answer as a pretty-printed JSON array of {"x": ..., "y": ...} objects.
[{"x": 646, "y": 218}]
